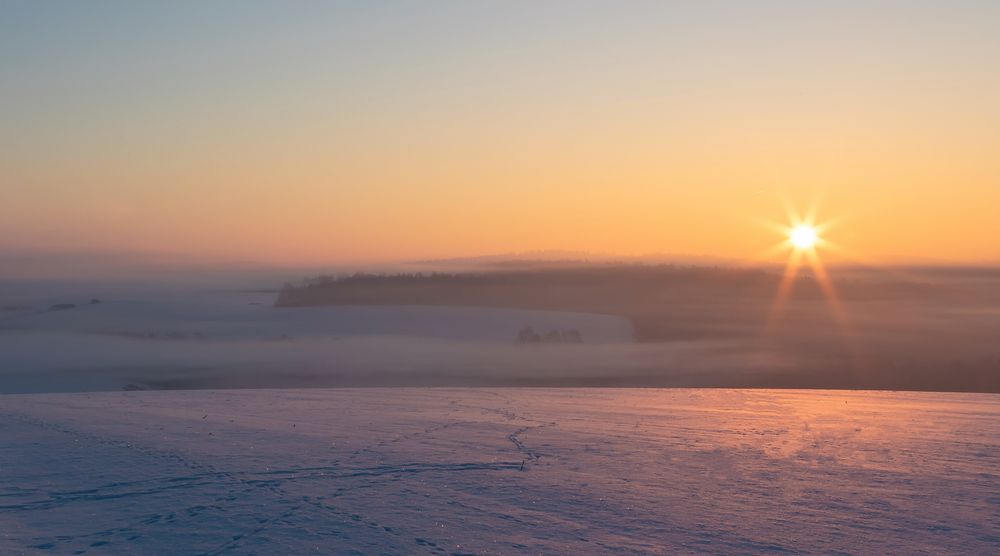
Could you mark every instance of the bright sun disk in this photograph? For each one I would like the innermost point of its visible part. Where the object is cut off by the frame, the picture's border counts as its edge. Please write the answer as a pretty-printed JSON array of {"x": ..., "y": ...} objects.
[{"x": 803, "y": 236}]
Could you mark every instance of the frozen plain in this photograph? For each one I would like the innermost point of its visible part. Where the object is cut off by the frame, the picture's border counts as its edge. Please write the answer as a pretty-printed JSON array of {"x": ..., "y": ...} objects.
[
  {"x": 197, "y": 338},
  {"x": 499, "y": 471}
]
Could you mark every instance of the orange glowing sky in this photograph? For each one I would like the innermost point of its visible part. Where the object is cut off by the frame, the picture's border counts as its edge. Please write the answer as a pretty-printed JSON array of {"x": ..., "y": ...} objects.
[{"x": 366, "y": 132}]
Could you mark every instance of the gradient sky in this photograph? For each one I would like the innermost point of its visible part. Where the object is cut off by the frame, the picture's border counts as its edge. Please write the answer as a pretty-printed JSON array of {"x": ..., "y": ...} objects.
[{"x": 320, "y": 132}]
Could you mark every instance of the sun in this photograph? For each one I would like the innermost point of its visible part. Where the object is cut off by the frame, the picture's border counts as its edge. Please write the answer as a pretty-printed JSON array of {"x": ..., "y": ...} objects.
[{"x": 803, "y": 236}]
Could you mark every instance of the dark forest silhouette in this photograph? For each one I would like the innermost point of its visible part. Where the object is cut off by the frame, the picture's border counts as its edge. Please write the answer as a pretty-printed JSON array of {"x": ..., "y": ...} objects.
[{"x": 908, "y": 333}]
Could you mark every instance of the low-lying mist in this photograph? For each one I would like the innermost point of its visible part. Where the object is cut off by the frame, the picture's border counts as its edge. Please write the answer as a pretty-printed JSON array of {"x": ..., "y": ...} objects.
[
  {"x": 35, "y": 362},
  {"x": 606, "y": 326}
]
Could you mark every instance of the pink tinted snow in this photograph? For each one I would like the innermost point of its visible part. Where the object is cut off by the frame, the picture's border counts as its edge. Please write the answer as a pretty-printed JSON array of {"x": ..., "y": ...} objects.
[{"x": 500, "y": 471}]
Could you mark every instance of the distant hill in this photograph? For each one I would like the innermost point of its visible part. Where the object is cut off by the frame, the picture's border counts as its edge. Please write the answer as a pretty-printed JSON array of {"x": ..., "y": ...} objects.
[
  {"x": 665, "y": 302},
  {"x": 564, "y": 258}
]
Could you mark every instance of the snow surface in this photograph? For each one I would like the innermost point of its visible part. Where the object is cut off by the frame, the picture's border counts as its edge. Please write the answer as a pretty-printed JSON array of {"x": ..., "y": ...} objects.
[
  {"x": 502, "y": 471},
  {"x": 229, "y": 315},
  {"x": 226, "y": 339}
]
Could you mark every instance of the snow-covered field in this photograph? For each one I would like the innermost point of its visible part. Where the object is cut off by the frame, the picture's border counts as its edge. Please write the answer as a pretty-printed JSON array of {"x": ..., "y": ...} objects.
[
  {"x": 503, "y": 471},
  {"x": 233, "y": 315},
  {"x": 224, "y": 339}
]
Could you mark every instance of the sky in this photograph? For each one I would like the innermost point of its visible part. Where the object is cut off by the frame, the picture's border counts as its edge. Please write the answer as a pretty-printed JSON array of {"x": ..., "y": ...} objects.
[{"x": 339, "y": 132}]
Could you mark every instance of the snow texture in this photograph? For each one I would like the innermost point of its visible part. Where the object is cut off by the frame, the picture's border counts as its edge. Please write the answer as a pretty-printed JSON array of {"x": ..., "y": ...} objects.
[{"x": 501, "y": 471}]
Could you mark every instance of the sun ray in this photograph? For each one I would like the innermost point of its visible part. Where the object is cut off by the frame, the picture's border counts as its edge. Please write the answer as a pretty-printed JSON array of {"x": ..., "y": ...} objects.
[
  {"x": 804, "y": 241},
  {"x": 811, "y": 213},
  {"x": 784, "y": 287},
  {"x": 790, "y": 211},
  {"x": 827, "y": 225},
  {"x": 773, "y": 226},
  {"x": 827, "y": 287}
]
